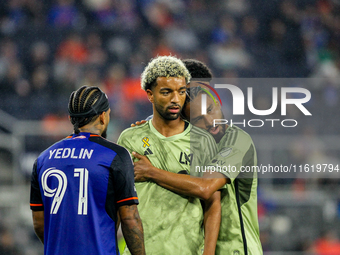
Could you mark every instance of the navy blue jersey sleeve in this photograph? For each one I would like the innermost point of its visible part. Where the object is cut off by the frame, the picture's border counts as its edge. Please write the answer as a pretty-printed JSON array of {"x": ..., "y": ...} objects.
[
  {"x": 123, "y": 178},
  {"x": 36, "y": 202}
]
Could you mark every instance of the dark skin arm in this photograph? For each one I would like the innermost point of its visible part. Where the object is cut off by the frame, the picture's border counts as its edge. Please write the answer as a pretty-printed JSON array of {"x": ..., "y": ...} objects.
[
  {"x": 38, "y": 224},
  {"x": 202, "y": 188},
  {"x": 212, "y": 221},
  {"x": 118, "y": 221},
  {"x": 132, "y": 229}
]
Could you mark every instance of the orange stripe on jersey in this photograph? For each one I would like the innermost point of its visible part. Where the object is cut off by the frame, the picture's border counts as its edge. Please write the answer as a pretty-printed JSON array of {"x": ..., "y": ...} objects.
[
  {"x": 36, "y": 204},
  {"x": 94, "y": 135},
  {"x": 127, "y": 199},
  {"x": 70, "y": 136}
]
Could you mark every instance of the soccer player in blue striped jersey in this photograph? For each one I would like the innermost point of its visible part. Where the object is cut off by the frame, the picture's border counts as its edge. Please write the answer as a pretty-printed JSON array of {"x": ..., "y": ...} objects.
[{"x": 83, "y": 185}]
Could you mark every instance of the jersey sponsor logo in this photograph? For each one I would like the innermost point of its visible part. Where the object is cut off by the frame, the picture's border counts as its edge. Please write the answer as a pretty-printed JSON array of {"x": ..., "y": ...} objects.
[
  {"x": 225, "y": 152},
  {"x": 74, "y": 153},
  {"x": 185, "y": 158},
  {"x": 148, "y": 152}
]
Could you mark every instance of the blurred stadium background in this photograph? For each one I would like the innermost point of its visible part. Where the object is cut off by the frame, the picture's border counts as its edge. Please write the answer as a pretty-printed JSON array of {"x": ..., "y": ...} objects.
[{"x": 50, "y": 48}]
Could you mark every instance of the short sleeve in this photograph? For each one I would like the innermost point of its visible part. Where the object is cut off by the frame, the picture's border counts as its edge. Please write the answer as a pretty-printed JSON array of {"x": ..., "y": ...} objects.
[
  {"x": 231, "y": 162},
  {"x": 123, "y": 178},
  {"x": 36, "y": 202}
]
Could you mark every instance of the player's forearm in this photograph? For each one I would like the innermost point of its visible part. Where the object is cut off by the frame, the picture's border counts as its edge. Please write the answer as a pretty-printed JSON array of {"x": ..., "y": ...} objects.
[
  {"x": 38, "y": 224},
  {"x": 40, "y": 233},
  {"x": 212, "y": 220},
  {"x": 179, "y": 183},
  {"x": 133, "y": 234},
  {"x": 133, "y": 230},
  {"x": 202, "y": 188}
]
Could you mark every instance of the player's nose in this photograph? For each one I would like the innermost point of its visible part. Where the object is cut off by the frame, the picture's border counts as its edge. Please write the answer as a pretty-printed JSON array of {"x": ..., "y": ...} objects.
[
  {"x": 208, "y": 120},
  {"x": 175, "y": 97}
]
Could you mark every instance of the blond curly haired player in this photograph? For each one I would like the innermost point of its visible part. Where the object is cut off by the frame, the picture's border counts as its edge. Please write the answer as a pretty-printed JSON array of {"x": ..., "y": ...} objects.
[{"x": 173, "y": 223}]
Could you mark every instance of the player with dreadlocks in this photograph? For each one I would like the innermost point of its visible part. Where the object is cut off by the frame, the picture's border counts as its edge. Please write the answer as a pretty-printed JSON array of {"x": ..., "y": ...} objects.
[
  {"x": 83, "y": 184},
  {"x": 239, "y": 230}
]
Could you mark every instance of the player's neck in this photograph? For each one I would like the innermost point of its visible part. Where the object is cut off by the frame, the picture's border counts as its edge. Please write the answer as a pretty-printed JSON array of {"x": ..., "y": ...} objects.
[
  {"x": 168, "y": 127},
  {"x": 90, "y": 128}
]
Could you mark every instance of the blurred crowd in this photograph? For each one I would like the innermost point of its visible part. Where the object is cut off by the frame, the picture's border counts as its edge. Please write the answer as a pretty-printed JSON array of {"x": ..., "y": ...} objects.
[{"x": 49, "y": 48}]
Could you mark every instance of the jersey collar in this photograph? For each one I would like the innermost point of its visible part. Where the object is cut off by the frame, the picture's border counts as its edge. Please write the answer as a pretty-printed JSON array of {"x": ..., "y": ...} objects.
[{"x": 170, "y": 138}]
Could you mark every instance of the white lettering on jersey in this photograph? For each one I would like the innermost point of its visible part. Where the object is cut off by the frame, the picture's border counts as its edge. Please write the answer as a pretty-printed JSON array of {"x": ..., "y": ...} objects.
[
  {"x": 71, "y": 153},
  {"x": 58, "y": 192},
  {"x": 51, "y": 153}
]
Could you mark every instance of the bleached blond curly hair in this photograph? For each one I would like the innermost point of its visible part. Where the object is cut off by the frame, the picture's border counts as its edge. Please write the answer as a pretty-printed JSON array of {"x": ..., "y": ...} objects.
[{"x": 163, "y": 66}]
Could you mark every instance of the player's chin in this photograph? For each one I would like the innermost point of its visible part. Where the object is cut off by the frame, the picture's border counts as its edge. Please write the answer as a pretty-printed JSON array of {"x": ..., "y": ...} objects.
[{"x": 173, "y": 116}]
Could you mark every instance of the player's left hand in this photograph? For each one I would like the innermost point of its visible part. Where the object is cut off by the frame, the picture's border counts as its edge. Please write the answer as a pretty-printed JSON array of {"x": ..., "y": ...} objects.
[{"x": 142, "y": 167}]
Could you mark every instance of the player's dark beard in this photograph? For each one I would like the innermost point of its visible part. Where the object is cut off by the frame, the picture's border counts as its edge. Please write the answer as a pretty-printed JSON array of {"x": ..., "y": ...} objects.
[
  {"x": 220, "y": 134},
  {"x": 167, "y": 115}
]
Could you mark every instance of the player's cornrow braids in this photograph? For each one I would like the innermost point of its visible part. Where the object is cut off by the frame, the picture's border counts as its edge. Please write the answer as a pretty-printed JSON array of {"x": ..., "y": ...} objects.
[
  {"x": 192, "y": 93},
  {"x": 75, "y": 99},
  {"x": 81, "y": 101},
  {"x": 163, "y": 66}
]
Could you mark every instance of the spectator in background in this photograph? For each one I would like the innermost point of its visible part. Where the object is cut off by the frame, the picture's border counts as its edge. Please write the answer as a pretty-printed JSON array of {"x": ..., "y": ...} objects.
[
  {"x": 103, "y": 13},
  {"x": 7, "y": 244},
  {"x": 96, "y": 53},
  {"x": 64, "y": 13},
  {"x": 69, "y": 60},
  {"x": 40, "y": 54},
  {"x": 327, "y": 244}
]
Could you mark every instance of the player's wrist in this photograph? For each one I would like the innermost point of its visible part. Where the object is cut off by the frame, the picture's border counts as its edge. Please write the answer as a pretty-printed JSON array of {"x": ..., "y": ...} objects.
[{"x": 152, "y": 174}]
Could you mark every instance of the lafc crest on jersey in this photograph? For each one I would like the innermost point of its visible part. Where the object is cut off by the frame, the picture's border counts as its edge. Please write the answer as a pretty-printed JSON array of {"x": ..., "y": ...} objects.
[
  {"x": 185, "y": 158},
  {"x": 146, "y": 145}
]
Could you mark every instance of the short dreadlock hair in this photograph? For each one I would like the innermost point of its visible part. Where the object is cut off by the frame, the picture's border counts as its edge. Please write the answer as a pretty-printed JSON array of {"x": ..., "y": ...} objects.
[
  {"x": 197, "y": 69},
  {"x": 163, "y": 66},
  {"x": 85, "y": 105}
]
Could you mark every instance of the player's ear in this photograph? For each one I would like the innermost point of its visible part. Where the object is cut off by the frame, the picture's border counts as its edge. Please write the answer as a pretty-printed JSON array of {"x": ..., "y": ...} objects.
[
  {"x": 150, "y": 95},
  {"x": 102, "y": 117}
]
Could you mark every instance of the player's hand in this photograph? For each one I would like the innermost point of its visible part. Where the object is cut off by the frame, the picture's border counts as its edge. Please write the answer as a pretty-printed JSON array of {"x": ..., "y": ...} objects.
[
  {"x": 137, "y": 123},
  {"x": 142, "y": 167}
]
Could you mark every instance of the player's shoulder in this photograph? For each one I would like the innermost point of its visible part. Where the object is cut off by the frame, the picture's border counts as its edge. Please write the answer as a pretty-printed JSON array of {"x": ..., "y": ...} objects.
[
  {"x": 135, "y": 130},
  {"x": 240, "y": 131},
  {"x": 108, "y": 144},
  {"x": 121, "y": 152},
  {"x": 52, "y": 147},
  {"x": 200, "y": 133},
  {"x": 236, "y": 136}
]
